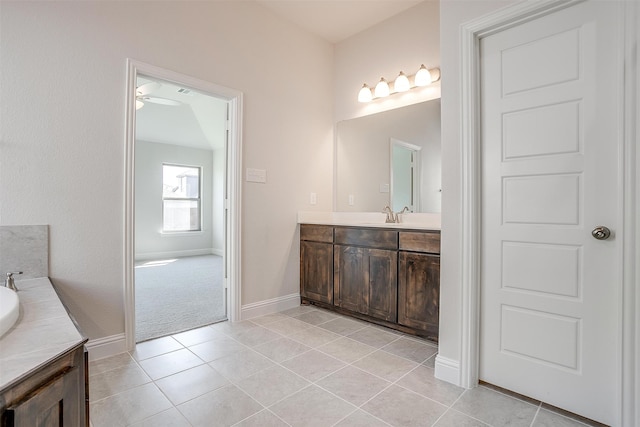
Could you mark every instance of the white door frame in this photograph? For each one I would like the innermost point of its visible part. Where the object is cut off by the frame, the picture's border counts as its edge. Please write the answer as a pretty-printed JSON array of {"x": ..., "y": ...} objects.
[
  {"x": 233, "y": 178},
  {"x": 416, "y": 173},
  {"x": 628, "y": 320}
]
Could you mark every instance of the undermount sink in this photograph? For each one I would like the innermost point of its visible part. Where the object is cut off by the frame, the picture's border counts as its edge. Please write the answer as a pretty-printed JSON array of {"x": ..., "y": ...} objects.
[{"x": 9, "y": 309}]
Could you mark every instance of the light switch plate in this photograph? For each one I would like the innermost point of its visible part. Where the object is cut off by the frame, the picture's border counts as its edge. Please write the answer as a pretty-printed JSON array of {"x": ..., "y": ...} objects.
[
  {"x": 384, "y": 188},
  {"x": 313, "y": 198},
  {"x": 256, "y": 175}
]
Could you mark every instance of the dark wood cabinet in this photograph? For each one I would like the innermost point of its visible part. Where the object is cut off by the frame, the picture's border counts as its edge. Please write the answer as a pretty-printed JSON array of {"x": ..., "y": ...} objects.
[
  {"x": 419, "y": 291},
  {"x": 51, "y": 396},
  {"x": 387, "y": 276},
  {"x": 365, "y": 281},
  {"x": 316, "y": 263}
]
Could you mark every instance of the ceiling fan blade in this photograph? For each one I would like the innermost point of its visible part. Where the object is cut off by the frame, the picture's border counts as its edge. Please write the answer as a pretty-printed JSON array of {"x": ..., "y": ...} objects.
[
  {"x": 162, "y": 101},
  {"x": 148, "y": 88}
]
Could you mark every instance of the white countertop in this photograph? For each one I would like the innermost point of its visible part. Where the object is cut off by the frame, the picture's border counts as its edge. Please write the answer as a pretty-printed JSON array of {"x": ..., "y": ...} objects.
[
  {"x": 43, "y": 331},
  {"x": 417, "y": 221}
]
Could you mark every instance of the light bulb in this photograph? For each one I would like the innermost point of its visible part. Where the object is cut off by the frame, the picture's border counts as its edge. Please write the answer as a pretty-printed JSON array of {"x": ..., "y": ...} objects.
[
  {"x": 382, "y": 88},
  {"x": 365, "y": 94},
  {"x": 139, "y": 104},
  {"x": 401, "y": 84},
  {"x": 423, "y": 76}
]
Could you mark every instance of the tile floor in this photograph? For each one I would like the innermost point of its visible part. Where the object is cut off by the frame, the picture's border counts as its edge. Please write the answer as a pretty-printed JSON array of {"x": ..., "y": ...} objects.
[{"x": 302, "y": 367}]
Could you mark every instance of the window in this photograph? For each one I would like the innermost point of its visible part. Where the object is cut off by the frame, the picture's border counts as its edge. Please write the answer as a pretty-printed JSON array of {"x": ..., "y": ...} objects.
[{"x": 180, "y": 198}]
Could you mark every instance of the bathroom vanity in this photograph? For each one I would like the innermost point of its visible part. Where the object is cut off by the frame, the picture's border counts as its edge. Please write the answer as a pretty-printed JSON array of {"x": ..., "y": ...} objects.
[
  {"x": 43, "y": 363},
  {"x": 385, "y": 274}
]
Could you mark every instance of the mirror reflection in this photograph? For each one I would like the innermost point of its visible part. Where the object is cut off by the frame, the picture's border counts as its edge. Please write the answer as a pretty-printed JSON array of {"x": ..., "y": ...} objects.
[{"x": 390, "y": 158}]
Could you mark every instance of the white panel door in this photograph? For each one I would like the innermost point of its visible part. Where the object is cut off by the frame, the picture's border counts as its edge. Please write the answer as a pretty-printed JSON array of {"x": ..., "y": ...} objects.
[{"x": 550, "y": 152}]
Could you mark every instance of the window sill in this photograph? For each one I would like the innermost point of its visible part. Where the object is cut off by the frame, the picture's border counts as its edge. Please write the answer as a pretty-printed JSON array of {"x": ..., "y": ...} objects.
[{"x": 181, "y": 233}]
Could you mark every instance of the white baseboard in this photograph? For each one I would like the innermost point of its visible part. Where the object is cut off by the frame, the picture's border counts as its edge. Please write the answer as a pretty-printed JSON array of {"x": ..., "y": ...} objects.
[
  {"x": 269, "y": 306},
  {"x": 147, "y": 256},
  {"x": 107, "y": 346},
  {"x": 447, "y": 370},
  {"x": 219, "y": 252}
]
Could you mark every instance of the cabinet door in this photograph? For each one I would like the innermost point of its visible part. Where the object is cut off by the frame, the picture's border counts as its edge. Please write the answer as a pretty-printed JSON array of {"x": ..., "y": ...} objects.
[
  {"x": 381, "y": 290},
  {"x": 349, "y": 279},
  {"x": 419, "y": 291},
  {"x": 316, "y": 271},
  {"x": 56, "y": 404}
]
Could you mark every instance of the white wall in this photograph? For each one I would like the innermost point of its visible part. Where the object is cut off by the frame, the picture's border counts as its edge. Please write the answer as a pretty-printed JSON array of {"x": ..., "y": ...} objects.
[
  {"x": 401, "y": 43},
  {"x": 62, "y": 121},
  {"x": 149, "y": 240},
  {"x": 452, "y": 15}
]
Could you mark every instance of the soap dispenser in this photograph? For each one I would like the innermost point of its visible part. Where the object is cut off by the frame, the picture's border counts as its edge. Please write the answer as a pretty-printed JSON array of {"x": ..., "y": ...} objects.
[{"x": 9, "y": 283}]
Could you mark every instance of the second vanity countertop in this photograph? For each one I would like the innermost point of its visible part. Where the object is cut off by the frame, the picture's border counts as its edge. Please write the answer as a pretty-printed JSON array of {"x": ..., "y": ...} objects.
[
  {"x": 415, "y": 221},
  {"x": 43, "y": 331}
]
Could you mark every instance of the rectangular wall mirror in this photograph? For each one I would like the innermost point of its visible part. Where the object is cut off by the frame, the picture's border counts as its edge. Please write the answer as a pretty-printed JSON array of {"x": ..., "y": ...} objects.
[{"x": 391, "y": 158}]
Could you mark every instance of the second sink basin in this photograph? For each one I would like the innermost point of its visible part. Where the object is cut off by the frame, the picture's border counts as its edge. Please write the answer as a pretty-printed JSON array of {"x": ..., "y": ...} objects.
[{"x": 9, "y": 309}]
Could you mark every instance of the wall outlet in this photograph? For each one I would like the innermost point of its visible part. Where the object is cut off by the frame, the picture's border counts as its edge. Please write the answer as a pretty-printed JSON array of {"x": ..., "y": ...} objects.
[
  {"x": 351, "y": 200},
  {"x": 313, "y": 198},
  {"x": 384, "y": 188}
]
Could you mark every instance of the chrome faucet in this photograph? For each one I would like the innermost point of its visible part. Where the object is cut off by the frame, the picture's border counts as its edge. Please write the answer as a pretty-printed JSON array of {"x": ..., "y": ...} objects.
[
  {"x": 391, "y": 217},
  {"x": 9, "y": 283}
]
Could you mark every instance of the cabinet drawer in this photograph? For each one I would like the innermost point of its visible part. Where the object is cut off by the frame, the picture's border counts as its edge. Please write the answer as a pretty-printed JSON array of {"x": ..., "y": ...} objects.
[
  {"x": 377, "y": 239},
  {"x": 316, "y": 233},
  {"x": 420, "y": 242}
]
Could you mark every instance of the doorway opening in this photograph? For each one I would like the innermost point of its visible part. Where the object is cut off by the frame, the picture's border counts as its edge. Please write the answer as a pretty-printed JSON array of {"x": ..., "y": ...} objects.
[
  {"x": 180, "y": 142},
  {"x": 182, "y": 203}
]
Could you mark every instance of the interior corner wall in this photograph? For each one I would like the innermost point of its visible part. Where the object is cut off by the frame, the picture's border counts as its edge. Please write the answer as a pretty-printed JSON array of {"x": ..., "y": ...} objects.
[
  {"x": 400, "y": 43},
  {"x": 62, "y": 118},
  {"x": 150, "y": 242}
]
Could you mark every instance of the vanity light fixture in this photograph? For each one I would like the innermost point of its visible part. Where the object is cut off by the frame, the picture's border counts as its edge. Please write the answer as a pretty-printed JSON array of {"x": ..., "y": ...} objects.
[
  {"x": 402, "y": 83},
  {"x": 365, "y": 94},
  {"x": 382, "y": 88}
]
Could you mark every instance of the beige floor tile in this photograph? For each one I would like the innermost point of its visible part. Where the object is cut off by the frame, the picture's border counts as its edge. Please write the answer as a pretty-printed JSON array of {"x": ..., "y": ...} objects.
[
  {"x": 170, "y": 363},
  {"x": 129, "y": 407},
  {"x": 269, "y": 318},
  {"x": 374, "y": 337},
  {"x": 272, "y": 384},
  {"x": 360, "y": 418},
  {"x": 147, "y": 349},
  {"x": 169, "y": 418},
  {"x": 456, "y": 419},
  {"x": 422, "y": 381},
  {"x": 316, "y": 317},
  {"x": 225, "y": 406},
  {"x": 281, "y": 349},
  {"x": 263, "y": 418},
  {"x": 256, "y": 336},
  {"x": 546, "y": 418},
  {"x": 197, "y": 336},
  {"x": 346, "y": 349},
  {"x": 241, "y": 364},
  {"x": 315, "y": 337},
  {"x": 353, "y": 385},
  {"x": 400, "y": 407},
  {"x": 288, "y": 327},
  {"x": 385, "y": 365},
  {"x": 191, "y": 383},
  {"x": 411, "y": 349},
  {"x": 494, "y": 408},
  {"x": 108, "y": 363},
  {"x": 342, "y": 326},
  {"x": 217, "y": 348},
  {"x": 313, "y": 365},
  {"x": 301, "y": 309},
  {"x": 234, "y": 328},
  {"x": 116, "y": 381},
  {"x": 430, "y": 362},
  {"x": 312, "y": 407}
]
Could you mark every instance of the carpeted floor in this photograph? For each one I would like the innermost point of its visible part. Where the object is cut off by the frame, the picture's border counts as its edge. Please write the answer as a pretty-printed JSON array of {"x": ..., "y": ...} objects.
[{"x": 178, "y": 294}]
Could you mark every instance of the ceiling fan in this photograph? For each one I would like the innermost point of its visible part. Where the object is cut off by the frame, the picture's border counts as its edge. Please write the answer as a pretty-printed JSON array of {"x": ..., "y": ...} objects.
[{"x": 143, "y": 94}]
